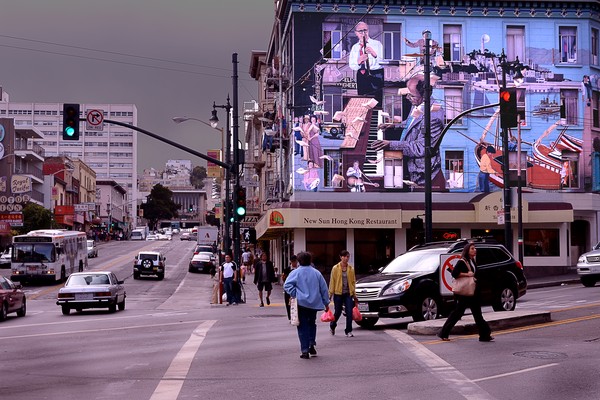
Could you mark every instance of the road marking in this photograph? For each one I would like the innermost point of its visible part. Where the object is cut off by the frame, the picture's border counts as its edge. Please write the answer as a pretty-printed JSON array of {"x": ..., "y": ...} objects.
[
  {"x": 121, "y": 328},
  {"x": 515, "y": 372},
  {"x": 438, "y": 366},
  {"x": 172, "y": 382}
]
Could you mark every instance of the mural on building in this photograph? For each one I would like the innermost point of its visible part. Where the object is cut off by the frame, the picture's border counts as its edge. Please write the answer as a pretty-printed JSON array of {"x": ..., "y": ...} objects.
[{"x": 358, "y": 121}]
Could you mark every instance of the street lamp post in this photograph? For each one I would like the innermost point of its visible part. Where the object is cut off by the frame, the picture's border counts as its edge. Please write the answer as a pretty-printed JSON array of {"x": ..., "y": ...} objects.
[
  {"x": 427, "y": 117},
  {"x": 225, "y": 150}
]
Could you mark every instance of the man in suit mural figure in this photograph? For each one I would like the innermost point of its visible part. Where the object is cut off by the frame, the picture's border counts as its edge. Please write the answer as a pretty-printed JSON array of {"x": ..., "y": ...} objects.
[{"x": 412, "y": 142}]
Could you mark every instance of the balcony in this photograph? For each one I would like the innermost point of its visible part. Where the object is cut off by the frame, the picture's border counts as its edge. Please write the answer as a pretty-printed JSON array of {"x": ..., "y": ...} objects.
[
  {"x": 29, "y": 150},
  {"x": 30, "y": 170}
]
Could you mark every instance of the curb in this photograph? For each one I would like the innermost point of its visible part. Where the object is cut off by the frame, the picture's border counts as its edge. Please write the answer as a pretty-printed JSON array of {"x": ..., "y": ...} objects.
[{"x": 496, "y": 320}]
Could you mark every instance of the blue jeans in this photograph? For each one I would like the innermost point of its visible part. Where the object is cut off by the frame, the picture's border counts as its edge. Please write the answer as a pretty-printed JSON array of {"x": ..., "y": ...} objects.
[
  {"x": 338, "y": 301},
  {"x": 228, "y": 284},
  {"x": 307, "y": 330},
  {"x": 484, "y": 182}
]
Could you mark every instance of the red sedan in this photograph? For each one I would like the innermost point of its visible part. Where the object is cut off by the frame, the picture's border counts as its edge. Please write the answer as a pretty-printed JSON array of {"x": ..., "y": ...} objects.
[{"x": 12, "y": 299}]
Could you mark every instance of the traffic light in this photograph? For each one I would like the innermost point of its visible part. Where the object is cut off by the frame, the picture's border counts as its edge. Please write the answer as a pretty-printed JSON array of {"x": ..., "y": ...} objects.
[
  {"x": 240, "y": 203},
  {"x": 416, "y": 224},
  {"x": 191, "y": 208},
  {"x": 508, "y": 108},
  {"x": 70, "y": 130}
]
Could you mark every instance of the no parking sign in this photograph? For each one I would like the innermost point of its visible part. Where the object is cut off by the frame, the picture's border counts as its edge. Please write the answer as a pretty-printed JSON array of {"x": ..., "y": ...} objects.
[{"x": 447, "y": 262}]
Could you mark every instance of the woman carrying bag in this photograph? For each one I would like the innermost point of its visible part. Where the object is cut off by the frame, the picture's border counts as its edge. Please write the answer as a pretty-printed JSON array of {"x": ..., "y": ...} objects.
[{"x": 464, "y": 273}]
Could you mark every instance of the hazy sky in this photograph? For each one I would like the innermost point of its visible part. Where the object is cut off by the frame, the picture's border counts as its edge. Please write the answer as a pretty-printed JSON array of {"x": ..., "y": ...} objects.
[{"x": 134, "y": 37}]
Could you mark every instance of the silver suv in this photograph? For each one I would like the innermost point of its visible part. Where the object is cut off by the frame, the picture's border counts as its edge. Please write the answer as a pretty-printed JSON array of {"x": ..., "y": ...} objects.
[
  {"x": 149, "y": 263},
  {"x": 588, "y": 267}
]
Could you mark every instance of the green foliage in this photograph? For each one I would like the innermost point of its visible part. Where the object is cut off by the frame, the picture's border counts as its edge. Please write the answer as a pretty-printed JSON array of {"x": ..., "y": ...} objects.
[
  {"x": 197, "y": 177},
  {"x": 160, "y": 205},
  {"x": 35, "y": 217}
]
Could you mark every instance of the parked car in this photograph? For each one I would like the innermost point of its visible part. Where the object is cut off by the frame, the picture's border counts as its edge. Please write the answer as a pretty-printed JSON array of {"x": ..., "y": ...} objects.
[
  {"x": 5, "y": 258},
  {"x": 203, "y": 248},
  {"x": 588, "y": 267},
  {"x": 99, "y": 289},
  {"x": 413, "y": 284},
  {"x": 149, "y": 263},
  {"x": 92, "y": 249},
  {"x": 12, "y": 299},
  {"x": 202, "y": 262},
  {"x": 185, "y": 236},
  {"x": 152, "y": 236},
  {"x": 164, "y": 236}
]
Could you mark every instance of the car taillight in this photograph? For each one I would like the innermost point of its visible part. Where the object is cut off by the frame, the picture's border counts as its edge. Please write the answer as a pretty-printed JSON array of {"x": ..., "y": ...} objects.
[
  {"x": 65, "y": 296},
  {"x": 102, "y": 294},
  {"x": 519, "y": 265},
  {"x": 195, "y": 252}
]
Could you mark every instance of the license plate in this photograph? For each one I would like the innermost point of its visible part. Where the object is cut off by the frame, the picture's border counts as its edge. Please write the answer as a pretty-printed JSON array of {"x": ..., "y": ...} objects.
[
  {"x": 363, "y": 306},
  {"x": 84, "y": 296},
  {"x": 31, "y": 269}
]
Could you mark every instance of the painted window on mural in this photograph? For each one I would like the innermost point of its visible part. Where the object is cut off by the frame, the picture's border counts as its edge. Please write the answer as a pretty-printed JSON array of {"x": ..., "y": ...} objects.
[
  {"x": 454, "y": 104},
  {"x": 595, "y": 47},
  {"x": 452, "y": 42},
  {"x": 391, "y": 41},
  {"x": 567, "y": 37},
  {"x": 454, "y": 169},
  {"x": 515, "y": 43}
]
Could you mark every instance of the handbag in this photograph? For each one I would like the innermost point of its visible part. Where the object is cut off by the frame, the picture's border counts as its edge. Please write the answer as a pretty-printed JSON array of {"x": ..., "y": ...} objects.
[
  {"x": 464, "y": 285},
  {"x": 356, "y": 315},
  {"x": 294, "y": 320}
]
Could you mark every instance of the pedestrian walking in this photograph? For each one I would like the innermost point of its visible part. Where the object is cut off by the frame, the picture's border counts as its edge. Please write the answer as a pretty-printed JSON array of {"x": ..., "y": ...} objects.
[
  {"x": 286, "y": 272},
  {"x": 342, "y": 288},
  {"x": 264, "y": 276},
  {"x": 308, "y": 287},
  {"x": 246, "y": 263},
  {"x": 228, "y": 275},
  {"x": 467, "y": 267}
]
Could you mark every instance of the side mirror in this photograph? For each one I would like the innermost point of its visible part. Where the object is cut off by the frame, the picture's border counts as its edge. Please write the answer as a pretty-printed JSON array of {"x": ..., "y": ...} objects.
[{"x": 164, "y": 258}]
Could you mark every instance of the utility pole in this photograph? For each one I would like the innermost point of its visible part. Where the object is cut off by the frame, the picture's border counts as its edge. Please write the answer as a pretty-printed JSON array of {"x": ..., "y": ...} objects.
[
  {"x": 427, "y": 112},
  {"x": 236, "y": 158}
]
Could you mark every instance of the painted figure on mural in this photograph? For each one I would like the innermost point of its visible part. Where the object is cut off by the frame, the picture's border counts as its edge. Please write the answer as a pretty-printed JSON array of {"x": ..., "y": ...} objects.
[{"x": 365, "y": 58}]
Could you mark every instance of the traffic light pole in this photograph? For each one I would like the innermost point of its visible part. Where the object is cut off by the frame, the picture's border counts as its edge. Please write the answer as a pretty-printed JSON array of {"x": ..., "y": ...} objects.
[
  {"x": 236, "y": 155},
  {"x": 508, "y": 239}
]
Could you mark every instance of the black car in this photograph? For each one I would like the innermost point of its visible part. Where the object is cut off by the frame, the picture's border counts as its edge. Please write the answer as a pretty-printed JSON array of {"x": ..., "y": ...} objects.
[{"x": 414, "y": 285}]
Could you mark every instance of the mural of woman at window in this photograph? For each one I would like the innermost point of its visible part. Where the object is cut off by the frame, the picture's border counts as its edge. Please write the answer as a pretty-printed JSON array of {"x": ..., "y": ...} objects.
[
  {"x": 310, "y": 135},
  {"x": 311, "y": 178}
]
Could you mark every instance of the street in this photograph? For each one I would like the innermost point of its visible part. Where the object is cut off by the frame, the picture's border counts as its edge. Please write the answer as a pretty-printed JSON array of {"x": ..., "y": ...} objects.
[{"x": 170, "y": 343}]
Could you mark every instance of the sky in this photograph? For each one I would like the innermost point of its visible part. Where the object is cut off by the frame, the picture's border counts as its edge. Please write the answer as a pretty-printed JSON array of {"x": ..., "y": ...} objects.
[{"x": 168, "y": 57}]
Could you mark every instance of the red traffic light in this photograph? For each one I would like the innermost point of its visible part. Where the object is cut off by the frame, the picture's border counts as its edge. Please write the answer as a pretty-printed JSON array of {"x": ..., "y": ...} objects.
[{"x": 505, "y": 95}]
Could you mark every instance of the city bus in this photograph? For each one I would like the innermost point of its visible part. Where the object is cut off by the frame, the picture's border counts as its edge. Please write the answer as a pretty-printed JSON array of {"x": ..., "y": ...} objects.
[{"x": 51, "y": 254}]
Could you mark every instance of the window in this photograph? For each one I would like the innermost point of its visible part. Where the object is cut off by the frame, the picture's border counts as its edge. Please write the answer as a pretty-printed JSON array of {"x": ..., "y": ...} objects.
[
  {"x": 595, "y": 108},
  {"x": 391, "y": 41},
  {"x": 333, "y": 102},
  {"x": 392, "y": 172},
  {"x": 325, "y": 246},
  {"x": 567, "y": 44},
  {"x": 331, "y": 168},
  {"x": 454, "y": 169},
  {"x": 569, "y": 98},
  {"x": 515, "y": 43},
  {"x": 454, "y": 104},
  {"x": 392, "y": 104},
  {"x": 569, "y": 173},
  {"x": 595, "y": 47},
  {"x": 332, "y": 39},
  {"x": 541, "y": 242},
  {"x": 452, "y": 42}
]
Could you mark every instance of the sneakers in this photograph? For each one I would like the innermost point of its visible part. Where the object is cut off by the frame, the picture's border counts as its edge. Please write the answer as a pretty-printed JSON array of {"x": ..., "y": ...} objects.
[
  {"x": 312, "y": 351},
  {"x": 262, "y": 304},
  {"x": 444, "y": 339},
  {"x": 305, "y": 356},
  {"x": 234, "y": 303},
  {"x": 349, "y": 334},
  {"x": 268, "y": 301},
  {"x": 487, "y": 339},
  {"x": 332, "y": 331}
]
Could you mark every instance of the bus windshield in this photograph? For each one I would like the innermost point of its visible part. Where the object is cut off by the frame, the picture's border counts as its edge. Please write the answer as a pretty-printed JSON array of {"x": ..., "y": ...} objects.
[{"x": 34, "y": 252}]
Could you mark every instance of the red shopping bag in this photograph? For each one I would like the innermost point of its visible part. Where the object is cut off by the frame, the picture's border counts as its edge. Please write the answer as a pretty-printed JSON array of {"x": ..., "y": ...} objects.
[
  {"x": 327, "y": 316},
  {"x": 356, "y": 315}
]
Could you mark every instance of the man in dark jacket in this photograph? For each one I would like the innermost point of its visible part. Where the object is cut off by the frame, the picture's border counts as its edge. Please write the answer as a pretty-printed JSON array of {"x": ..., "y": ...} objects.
[{"x": 264, "y": 275}]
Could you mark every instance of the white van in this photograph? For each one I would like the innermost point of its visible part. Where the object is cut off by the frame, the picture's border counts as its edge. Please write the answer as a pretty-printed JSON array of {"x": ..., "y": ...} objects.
[{"x": 138, "y": 234}]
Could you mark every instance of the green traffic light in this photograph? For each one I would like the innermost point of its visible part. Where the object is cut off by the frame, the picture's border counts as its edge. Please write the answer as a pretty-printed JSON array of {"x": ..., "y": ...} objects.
[
  {"x": 69, "y": 130},
  {"x": 241, "y": 211}
]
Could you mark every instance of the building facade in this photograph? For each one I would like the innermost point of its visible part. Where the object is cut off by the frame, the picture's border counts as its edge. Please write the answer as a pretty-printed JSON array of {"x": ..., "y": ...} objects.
[{"x": 347, "y": 170}]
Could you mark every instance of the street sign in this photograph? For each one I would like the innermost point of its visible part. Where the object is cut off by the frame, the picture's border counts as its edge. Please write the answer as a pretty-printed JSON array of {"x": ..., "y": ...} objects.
[{"x": 94, "y": 120}]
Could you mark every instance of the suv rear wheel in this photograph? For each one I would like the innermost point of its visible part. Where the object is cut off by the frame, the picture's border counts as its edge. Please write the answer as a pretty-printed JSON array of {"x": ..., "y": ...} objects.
[
  {"x": 429, "y": 308},
  {"x": 505, "y": 299},
  {"x": 588, "y": 281}
]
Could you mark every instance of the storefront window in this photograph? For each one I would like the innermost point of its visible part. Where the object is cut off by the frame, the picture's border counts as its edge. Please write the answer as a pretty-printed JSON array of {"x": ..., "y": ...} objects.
[
  {"x": 541, "y": 242},
  {"x": 325, "y": 246},
  {"x": 373, "y": 248},
  {"x": 414, "y": 237}
]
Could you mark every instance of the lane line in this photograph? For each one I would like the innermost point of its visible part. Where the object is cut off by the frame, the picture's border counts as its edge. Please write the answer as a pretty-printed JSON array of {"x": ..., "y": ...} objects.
[
  {"x": 121, "y": 328},
  {"x": 453, "y": 378},
  {"x": 172, "y": 381},
  {"x": 515, "y": 372}
]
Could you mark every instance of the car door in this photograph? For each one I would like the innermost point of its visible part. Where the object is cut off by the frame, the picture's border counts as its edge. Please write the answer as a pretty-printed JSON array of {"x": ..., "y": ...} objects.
[{"x": 13, "y": 296}]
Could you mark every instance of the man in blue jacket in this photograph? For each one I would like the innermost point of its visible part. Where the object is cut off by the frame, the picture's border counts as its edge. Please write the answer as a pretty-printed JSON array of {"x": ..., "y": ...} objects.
[{"x": 308, "y": 287}]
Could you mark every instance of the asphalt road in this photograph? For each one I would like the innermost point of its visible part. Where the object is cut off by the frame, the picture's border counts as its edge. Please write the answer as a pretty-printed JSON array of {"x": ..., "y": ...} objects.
[{"x": 170, "y": 343}]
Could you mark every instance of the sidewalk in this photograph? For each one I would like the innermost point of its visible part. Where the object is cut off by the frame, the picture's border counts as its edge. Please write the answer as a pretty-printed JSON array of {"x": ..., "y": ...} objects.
[{"x": 553, "y": 280}]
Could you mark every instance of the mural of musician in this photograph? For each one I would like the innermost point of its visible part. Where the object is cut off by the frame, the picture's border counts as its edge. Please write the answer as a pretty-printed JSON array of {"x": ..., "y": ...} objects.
[{"x": 365, "y": 57}]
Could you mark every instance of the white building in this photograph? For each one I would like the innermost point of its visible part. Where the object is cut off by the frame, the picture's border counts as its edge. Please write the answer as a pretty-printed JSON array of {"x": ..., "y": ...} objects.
[{"x": 111, "y": 151}]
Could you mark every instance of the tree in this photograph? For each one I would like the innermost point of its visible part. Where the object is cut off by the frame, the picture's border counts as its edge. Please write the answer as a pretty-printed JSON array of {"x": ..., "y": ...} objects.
[
  {"x": 197, "y": 177},
  {"x": 35, "y": 217},
  {"x": 160, "y": 205}
]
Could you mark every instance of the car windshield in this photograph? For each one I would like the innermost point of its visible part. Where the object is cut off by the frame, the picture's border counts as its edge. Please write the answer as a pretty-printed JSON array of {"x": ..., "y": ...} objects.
[
  {"x": 38, "y": 252},
  {"x": 88, "y": 280},
  {"x": 414, "y": 261}
]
